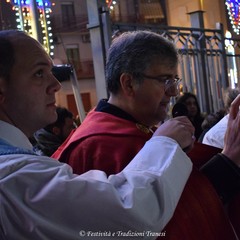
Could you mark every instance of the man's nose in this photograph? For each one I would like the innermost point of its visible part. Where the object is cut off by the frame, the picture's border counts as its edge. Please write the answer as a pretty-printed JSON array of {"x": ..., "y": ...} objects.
[{"x": 55, "y": 85}]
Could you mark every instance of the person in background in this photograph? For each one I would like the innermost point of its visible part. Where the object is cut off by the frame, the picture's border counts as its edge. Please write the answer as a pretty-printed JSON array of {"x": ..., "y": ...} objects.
[
  {"x": 215, "y": 135},
  {"x": 49, "y": 138},
  {"x": 209, "y": 121},
  {"x": 194, "y": 112},
  {"x": 41, "y": 198}
]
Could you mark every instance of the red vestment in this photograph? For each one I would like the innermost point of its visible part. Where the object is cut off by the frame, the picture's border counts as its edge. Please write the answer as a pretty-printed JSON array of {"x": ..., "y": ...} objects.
[
  {"x": 102, "y": 137},
  {"x": 104, "y": 142}
]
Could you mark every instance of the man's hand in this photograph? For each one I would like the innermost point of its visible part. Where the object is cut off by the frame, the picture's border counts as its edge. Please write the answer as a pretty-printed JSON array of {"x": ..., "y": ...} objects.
[
  {"x": 232, "y": 137},
  {"x": 179, "y": 129}
]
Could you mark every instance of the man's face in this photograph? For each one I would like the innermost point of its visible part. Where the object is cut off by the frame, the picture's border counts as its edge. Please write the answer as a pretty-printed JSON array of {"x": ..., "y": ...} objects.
[
  {"x": 151, "y": 98},
  {"x": 191, "y": 106},
  {"x": 29, "y": 95}
]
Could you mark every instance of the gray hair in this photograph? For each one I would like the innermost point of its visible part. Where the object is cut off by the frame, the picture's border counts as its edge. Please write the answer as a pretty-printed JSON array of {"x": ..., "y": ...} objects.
[
  {"x": 229, "y": 96},
  {"x": 133, "y": 52}
]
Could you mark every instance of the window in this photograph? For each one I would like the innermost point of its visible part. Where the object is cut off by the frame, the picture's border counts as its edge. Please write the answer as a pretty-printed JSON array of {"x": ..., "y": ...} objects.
[
  {"x": 139, "y": 11},
  {"x": 153, "y": 11},
  {"x": 68, "y": 14}
]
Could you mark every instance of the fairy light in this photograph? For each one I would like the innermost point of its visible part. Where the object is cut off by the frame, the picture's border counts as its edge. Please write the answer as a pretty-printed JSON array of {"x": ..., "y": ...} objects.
[
  {"x": 111, "y": 4},
  {"x": 44, "y": 8},
  {"x": 18, "y": 15},
  {"x": 233, "y": 8},
  {"x": 27, "y": 16}
]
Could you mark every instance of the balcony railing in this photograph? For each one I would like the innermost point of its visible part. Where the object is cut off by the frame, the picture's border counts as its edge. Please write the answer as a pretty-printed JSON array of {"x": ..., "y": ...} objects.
[
  {"x": 69, "y": 24},
  {"x": 139, "y": 18},
  {"x": 84, "y": 69}
]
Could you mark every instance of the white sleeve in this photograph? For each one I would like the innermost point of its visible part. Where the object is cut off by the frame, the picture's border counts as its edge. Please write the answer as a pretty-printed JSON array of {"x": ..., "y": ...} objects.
[
  {"x": 211, "y": 139},
  {"x": 42, "y": 199},
  {"x": 215, "y": 135}
]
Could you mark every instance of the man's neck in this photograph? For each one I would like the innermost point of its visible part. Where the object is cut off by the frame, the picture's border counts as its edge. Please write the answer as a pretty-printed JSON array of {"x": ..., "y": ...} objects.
[{"x": 127, "y": 107}]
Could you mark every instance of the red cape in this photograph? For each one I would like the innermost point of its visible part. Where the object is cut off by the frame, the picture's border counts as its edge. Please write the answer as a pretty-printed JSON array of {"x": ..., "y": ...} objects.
[
  {"x": 104, "y": 142},
  {"x": 108, "y": 143}
]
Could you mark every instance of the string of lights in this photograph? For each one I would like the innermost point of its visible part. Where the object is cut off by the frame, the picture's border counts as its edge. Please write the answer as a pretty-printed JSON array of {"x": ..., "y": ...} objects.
[
  {"x": 111, "y": 4},
  {"x": 33, "y": 17},
  {"x": 233, "y": 7}
]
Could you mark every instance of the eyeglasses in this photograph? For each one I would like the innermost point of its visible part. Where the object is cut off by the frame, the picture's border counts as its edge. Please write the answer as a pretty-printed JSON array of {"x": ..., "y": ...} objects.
[{"x": 168, "y": 82}]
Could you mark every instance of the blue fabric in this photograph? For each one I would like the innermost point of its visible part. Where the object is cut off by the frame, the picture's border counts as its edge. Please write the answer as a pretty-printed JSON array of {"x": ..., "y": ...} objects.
[{"x": 6, "y": 148}]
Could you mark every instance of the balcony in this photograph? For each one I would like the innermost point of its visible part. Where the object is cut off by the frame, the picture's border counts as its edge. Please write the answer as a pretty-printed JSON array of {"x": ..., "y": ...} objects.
[
  {"x": 61, "y": 24},
  {"x": 84, "y": 69}
]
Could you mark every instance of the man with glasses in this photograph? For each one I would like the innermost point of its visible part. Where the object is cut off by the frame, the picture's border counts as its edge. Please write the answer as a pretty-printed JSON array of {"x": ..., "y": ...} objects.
[
  {"x": 142, "y": 76},
  {"x": 141, "y": 73}
]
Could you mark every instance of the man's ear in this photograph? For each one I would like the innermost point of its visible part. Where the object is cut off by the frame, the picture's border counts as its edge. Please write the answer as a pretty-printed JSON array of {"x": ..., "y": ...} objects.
[{"x": 127, "y": 83}]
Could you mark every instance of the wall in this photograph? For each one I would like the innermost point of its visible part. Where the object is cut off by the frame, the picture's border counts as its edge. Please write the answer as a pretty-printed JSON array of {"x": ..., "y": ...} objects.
[
  {"x": 214, "y": 11},
  {"x": 85, "y": 53},
  {"x": 177, "y": 12}
]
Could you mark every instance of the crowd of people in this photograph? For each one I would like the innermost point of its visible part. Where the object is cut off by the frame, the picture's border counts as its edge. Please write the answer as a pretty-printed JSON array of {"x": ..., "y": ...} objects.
[
  {"x": 134, "y": 177},
  {"x": 209, "y": 129}
]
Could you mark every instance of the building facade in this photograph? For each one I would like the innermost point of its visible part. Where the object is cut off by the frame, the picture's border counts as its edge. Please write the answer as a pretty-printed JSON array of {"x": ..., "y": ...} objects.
[
  {"x": 71, "y": 22},
  {"x": 149, "y": 12}
]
